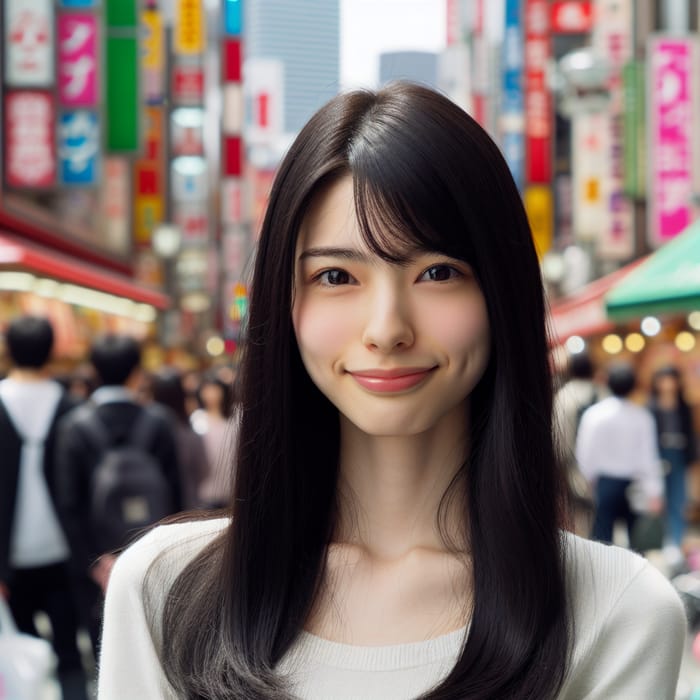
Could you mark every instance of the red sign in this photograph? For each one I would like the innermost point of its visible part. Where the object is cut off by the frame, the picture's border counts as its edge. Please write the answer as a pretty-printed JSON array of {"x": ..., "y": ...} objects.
[
  {"x": 233, "y": 155},
  {"x": 188, "y": 85},
  {"x": 232, "y": 61},
  {"x": 538, "y": 101},
  {"x": 30, "y": 151},
  {"x": 571, "y": 16}
]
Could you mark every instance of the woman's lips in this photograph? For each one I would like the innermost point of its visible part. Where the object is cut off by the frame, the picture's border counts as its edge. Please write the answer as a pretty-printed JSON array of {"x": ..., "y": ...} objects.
[{"x": 391, "y": 381}]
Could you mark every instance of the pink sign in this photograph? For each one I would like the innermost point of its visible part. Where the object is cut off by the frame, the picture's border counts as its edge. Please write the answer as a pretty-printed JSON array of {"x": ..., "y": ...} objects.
[
  {"x": 30, "y": 152},
  {"x": 77, "y": 59},
  {"x": 672, "y": 65}
]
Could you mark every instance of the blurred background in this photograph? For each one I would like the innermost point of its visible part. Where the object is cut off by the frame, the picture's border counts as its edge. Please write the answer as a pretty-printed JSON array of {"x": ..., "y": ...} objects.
[{"x": 140, "y": 140}]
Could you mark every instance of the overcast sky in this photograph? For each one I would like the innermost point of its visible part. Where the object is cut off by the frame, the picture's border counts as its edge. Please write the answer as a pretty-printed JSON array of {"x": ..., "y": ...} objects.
[{"x": 370, "y": 27}]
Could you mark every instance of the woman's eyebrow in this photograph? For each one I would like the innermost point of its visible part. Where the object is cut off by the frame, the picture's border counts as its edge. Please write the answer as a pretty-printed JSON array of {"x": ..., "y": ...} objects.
[{"x": 333, "y": 252}]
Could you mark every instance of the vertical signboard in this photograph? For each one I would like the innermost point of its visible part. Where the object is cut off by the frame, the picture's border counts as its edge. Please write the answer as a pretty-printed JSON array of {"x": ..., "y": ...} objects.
[
  {"x": 115, "y": 197},
  {"x": 635, "y": 137},
  {"x": 539, "y": 207},
  {"x": 153, "y": 55},
  {"x": 538, "y": 101},
  {"x": 78, "y": 148},
  {"x": 77, "y": 60},
  {"x": 673, "y": 149},
  {"x": 122, "y": 91},
  {"x": 30, "y": 153},
  {"x": 29, "y": 43},
  {"x": 589, "y": 155},
  {"x": 149, "y": 187},
  {"x": 512, "y": 119},
  {"x": 612, "y": 40},
  {"x": 189, "y": 32}
]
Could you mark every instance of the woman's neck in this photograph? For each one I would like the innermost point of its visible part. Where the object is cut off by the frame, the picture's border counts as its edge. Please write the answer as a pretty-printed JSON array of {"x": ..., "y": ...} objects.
[{"x": 391, "y": 489}]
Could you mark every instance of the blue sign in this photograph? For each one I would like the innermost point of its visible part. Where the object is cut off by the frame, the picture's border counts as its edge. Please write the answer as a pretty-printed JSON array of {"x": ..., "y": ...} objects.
[
  {"x": 77, "y": 3},
  {"x": 513, "y": 107},
  {"x": 78, "y": 148},
  {"x": 233, "y": 17}
]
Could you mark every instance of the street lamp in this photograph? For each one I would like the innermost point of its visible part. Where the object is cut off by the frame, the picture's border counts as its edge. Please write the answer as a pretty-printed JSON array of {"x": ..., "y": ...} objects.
[{"x": 166, "y": 240}]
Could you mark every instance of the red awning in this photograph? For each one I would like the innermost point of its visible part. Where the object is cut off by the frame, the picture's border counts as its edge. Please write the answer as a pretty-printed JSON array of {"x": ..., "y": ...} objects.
[
  {"x": 16, "y": 254},
  {"x": 583, "y": 313}
]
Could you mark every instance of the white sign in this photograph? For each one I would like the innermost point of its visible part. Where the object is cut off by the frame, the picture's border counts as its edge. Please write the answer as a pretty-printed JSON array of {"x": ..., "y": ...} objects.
[
  {"x": 264, "y": 89},
  {"x": 29, "y": 43}
]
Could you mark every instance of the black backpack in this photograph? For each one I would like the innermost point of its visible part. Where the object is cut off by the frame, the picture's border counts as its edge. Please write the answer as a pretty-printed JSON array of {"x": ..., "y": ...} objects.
[{"x": 128, "y": 489}]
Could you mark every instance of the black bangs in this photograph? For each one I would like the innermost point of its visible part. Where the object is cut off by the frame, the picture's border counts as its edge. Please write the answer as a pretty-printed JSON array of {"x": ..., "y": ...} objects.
[{"x": 401, "y": 203}]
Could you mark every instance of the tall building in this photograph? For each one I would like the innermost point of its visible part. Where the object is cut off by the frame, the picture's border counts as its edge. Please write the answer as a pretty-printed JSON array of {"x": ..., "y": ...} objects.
[{"x": 304, "y": 36}]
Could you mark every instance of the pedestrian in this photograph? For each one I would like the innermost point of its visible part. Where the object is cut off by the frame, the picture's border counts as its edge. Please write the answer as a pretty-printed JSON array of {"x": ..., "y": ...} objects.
[
  {"x": 396, "y": 526},
  {"x": 676, "y": 443},
  {"x": 112, "y": 417},
  {"x": 214, "y": 420},
  {"x": 168, "y": 391},
  {"x": 578, "y": 393},
  {"x": 34, "y": 550},
  {"x": 616, "y": 450}
]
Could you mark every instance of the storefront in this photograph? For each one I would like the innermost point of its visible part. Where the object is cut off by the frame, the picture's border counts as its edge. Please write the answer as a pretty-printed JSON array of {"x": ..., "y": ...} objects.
[{"x": 81, "y": 299}]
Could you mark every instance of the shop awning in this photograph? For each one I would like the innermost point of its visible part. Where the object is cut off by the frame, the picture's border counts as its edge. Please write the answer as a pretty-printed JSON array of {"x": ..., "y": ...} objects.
[
  {"x": 668, "y": 281},
  {"x": 583, "y": 313},
  {"x": 23, "y": 256}
]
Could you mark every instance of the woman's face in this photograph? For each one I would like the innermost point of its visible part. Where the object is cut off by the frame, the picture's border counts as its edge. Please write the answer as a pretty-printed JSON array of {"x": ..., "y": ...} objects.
[
  {"x": 212, "y": 396},
  {"x": 667, "y": 384},
  {"x": 396, "y": 348}
]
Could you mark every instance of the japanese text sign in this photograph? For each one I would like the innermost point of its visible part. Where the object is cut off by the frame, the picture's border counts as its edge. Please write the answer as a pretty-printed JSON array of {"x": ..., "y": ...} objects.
[
  {"x": 77, "y": 59},
  {"x": 79, "y": 147},
  {"x": 30, "y": 154},
  {"x": 29, "y": 43},
  {"x": 673, "y": 110}
]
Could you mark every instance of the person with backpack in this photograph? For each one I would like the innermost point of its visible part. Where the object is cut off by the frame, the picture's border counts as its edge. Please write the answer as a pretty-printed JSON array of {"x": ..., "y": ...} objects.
[
  {"x": 117, "y": 470},
  {"x": 578, "y": 393},
  {"x": 34, "y": 550}
]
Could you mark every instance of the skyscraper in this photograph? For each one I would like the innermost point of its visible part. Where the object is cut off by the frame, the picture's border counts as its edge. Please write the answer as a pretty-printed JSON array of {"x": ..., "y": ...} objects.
[{"x": 305, "y": 36}]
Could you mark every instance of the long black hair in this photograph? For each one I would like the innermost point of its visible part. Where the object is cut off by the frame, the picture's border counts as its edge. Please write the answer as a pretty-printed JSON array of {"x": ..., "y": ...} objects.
[{"x": 423, "y": 170}]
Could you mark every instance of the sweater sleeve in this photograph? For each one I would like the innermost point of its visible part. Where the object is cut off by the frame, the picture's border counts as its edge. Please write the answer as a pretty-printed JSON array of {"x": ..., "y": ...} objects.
[
  {"x": 638, "y": 649},
  {"x": 129, "y": 665}
]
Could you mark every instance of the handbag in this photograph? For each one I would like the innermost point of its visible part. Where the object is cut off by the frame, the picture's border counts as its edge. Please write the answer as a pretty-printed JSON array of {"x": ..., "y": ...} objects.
[
  {"x": 647, "y": 532},
  {"x": 27, "y": 663}
]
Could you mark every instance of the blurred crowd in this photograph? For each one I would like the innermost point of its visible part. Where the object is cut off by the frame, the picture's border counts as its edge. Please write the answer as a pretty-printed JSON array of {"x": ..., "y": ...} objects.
[{"x": 89, "y": 460}]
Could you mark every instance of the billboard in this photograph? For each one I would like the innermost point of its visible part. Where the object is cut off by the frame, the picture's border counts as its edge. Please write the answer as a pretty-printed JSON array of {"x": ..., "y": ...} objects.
[
  {"x": 29, "y": 43},
  {"x": 77, "y": 60},
  {"x": 673, "y": 109},
  {"x": 30, "y": 152},
  {"x": 78, "y": 148}
]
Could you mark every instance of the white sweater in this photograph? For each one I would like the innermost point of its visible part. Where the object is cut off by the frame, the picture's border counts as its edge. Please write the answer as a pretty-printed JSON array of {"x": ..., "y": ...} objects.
[{"x": 629, "y": 633}]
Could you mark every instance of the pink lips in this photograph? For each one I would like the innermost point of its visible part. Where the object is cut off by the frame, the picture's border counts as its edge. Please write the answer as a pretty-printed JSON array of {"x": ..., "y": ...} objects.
[{"x": 391, "y": 380}]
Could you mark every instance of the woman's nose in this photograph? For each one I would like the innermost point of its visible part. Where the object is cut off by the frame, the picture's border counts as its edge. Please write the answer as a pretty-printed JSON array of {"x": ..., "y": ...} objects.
[{"x": 389, "y": 324}]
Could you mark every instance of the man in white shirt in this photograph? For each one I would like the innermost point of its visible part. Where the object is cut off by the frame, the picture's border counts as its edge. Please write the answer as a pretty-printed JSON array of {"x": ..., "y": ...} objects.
[
  {"x": 616, "y": 451},
  {"x": 34, "y": 551}
]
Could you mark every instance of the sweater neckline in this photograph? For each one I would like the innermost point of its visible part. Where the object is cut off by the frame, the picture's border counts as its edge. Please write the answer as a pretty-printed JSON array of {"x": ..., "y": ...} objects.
[{"x": 317, "y": 650}]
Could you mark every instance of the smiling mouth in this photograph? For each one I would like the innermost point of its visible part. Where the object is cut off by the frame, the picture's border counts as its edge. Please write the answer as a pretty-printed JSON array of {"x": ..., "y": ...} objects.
[{"x": 393, "y": 380}]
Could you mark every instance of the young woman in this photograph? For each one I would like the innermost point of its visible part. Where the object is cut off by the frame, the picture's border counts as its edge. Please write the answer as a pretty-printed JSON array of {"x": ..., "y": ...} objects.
[
  {"x": 213, "y": 422},
  {"x": 396, "y": 528},
  {"x": 676, "y": 442}
]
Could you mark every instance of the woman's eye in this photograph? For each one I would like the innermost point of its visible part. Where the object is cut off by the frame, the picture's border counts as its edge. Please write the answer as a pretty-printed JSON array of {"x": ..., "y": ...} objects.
[
  {"x": 334, "y": 278},
  {"x": 440, "y": 273}
]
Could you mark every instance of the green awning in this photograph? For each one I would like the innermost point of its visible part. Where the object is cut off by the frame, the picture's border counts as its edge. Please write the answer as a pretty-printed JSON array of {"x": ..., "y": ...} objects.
[{"x": 668, "y": 282}]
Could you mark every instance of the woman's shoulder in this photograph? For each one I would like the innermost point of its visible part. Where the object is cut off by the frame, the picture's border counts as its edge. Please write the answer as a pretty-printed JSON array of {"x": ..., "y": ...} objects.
[
  {"x": 166, "y": 550},
  {"x": 602, "y": 577}
]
